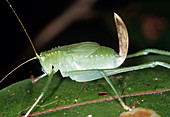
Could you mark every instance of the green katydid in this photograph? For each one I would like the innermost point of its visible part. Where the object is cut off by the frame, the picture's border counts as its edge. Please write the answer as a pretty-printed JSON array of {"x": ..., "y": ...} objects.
[{"x": 88, "y": 61}]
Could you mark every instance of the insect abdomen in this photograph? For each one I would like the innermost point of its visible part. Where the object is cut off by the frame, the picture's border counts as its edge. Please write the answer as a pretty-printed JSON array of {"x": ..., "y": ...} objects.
[
  {"x": 79, "y": 69},
  {"x": 102, "y": 58}
]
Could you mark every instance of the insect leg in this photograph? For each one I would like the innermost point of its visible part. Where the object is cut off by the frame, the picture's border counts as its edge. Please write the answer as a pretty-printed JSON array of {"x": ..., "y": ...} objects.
[
  {"x": 138, "y": 67},
  {"x": 34, "y": 80},
  {"x": 110, "y": 83},
  {"x": 42, "y": 92},
  {"x": 147, "y": 51}
]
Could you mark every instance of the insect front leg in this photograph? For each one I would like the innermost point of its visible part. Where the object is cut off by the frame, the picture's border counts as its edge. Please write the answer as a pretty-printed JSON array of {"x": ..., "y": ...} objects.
[
  {"x": 42, "y": 92},
  {"x": 34, "y": 80},
  {"x": 110, "y": 83}
]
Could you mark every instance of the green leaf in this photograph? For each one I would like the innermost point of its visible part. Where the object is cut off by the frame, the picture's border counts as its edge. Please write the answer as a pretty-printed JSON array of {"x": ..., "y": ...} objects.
[{"x": 146, "y": 88}]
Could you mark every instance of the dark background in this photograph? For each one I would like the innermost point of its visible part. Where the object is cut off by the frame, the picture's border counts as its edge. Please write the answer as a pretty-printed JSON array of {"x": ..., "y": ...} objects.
[{"x": 147, "y": 22}]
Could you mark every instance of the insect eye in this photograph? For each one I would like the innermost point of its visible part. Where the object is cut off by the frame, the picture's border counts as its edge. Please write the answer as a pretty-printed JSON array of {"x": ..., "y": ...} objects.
[{"x": 42, "y": 57}]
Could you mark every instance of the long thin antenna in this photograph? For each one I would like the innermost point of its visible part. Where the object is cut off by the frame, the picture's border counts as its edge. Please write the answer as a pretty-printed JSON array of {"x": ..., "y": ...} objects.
[
  {"x": 17, "y": 68},
  {"x": 23, "y": 28}
]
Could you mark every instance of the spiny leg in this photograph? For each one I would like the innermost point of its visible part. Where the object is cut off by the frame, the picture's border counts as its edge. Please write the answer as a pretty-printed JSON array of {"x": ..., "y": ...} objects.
[
  {"x": 138, "y": 67},
  {"x": 105, "y": 74},
  {"x": 110, "y": 83},
  {"x": 34, "y": 80},
  {"x": 147, "y": 51},
  {"x": 42, "y": 92}
]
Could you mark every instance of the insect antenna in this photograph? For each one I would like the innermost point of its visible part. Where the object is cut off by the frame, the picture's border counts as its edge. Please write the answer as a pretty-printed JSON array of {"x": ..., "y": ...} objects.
[
  {"x": 23, "y": 28},
  {"x": 17, "y": 68},
  {"x": 37, "y": 56}
]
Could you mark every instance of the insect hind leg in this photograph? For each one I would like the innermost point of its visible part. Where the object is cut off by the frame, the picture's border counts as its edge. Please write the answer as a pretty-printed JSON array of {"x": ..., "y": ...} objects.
[
  {"x": 113, "y": 88},
  {"x": 34, "y": 80},
  {"x": 147, "y": 51},
  {"x": 138, "y": 67}
]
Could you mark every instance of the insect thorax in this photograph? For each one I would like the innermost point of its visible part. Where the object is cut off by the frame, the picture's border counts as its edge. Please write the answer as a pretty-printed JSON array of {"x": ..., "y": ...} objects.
[{"x": 51, "y": 59}]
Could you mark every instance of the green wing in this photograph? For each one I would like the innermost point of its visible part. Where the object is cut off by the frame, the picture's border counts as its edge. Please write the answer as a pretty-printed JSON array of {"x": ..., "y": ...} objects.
[{"x": 82, "y": 50}]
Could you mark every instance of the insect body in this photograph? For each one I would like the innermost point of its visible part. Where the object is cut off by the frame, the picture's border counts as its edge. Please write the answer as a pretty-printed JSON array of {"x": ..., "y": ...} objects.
[
  {"x": 89, "y": 61},
  {"x": 82, "y": 61},
  {"x": 76, "y": 60}
]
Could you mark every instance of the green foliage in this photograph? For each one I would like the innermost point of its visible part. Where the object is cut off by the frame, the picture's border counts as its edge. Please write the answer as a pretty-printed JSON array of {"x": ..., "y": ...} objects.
[{"x": 63, "y": 92}]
